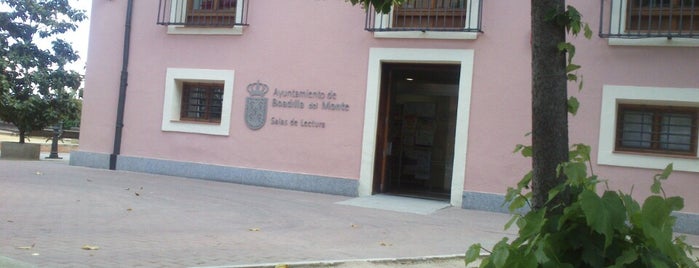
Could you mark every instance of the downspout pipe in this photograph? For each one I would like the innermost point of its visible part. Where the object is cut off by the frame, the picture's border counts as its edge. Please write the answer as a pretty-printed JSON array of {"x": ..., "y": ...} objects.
[{"x": 122, "y": 88}]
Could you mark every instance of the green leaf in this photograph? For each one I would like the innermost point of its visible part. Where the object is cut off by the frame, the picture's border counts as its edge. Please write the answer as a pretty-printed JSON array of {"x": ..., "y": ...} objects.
[
  {"x": 511, "y": 221},
  {"x": 580, "y": 152},
  {"x": 472, "y": 254},
  {"x": 510, "y": 195},
  {"x": 525, "y": 261},
  {"x": 572, "y": 67},
  {"x": 575, "y": 28},
  {"x": 656, "y": 187},
  {"x": 524, "y": 182},
  {"x": 500, "y": 253},
  {"x": 656, "y": 262},
  {"x": 569, "y": 48},
  {"x": 570, "y": 213},
  {"x": 656, "y": 223},
  {"x": 554, "y": 192},
  {"x": 675, "y": 203},
  {"x": 565, "y": 47},
  {"x": 666, "y": 172},
  {"x": 532, "y": 223},
  {"x": 573, "y": 20},
  {"x": 573, "y": 105},
  {"x": 517, "y": 203},
  {"x": 571, "y": 54},
  {"x": 542, "y": 251},
  {"x": 525, "y": 150},
  {"x": 588, "y": 31},
  {"x": 632, "y": 207},
  {"x": 603, "y": 214},
  {"x": 573, "y": 12},
  {"x": 518, "y": 148},
  {"x": 575, "y": 171},
  {"x": 628, "y": 256},
  {"x": 485, "y": 262}
]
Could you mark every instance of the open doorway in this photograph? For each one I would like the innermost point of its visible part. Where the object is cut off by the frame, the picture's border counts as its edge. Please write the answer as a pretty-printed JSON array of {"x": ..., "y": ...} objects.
[{"x": 416, "y": 130}]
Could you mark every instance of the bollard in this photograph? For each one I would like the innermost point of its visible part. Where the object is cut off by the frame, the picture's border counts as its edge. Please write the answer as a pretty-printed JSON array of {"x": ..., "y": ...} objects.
[{"x": 57, "y": 131}]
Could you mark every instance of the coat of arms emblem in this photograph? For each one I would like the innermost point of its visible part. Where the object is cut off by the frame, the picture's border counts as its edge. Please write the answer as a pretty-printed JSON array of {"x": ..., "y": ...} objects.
[{"x": 256, "y": 106}]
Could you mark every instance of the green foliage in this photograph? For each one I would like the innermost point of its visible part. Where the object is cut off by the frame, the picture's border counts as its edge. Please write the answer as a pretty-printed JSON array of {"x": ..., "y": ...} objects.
[
  {"x": 383, "y": 6},
  {"x": 36, "y": 89},
  {"x": 593, "y": 230},
  {"x": 571, "y": 19},
  {"x": 573, "y": 105},
  {"x": 73, "y": 121}
]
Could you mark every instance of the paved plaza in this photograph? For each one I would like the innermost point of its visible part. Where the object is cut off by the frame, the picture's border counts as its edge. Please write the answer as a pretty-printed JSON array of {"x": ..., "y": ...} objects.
[
  {"x": 51, "y": 214},
  {"x": 56, "y": 215}
]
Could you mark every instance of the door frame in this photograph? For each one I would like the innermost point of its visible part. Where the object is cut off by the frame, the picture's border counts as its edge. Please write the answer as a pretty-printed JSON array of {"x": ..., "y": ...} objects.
[{"x": 377, "y": 56}]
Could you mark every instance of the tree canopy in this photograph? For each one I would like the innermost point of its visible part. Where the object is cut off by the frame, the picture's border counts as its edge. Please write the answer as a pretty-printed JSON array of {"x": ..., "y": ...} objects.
[{"x": 36, "y": 88}]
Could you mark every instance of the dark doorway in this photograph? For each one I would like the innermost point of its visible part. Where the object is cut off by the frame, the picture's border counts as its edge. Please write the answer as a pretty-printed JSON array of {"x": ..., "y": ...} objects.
[{"x": 417, "y": 124}]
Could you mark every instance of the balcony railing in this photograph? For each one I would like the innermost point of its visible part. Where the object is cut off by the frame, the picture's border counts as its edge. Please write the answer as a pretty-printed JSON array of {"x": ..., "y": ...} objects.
[
  {"x": 203, "y": 13},
  {"x": 649, "y": 18},
  {"x": 428, "y": 15}
]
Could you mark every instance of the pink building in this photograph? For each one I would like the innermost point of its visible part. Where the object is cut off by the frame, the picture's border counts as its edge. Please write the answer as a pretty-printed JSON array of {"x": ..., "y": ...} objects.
[{"x": 427, "y": 101}]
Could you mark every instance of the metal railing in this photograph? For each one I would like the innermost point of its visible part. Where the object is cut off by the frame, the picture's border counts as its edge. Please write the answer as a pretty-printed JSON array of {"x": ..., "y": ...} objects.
[
  {"x": 203, "y": 13},
  {"x": 428, "y": 15},
  {"x": 649, "y": 18}
]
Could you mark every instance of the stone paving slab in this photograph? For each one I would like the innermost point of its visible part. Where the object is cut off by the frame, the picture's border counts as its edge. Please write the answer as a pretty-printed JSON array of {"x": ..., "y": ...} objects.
[{"x": 51, "y": 213}]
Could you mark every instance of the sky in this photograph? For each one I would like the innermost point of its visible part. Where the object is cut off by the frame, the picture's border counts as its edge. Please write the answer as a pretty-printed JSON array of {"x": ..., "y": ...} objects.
[{"x": 78, "y": 39}]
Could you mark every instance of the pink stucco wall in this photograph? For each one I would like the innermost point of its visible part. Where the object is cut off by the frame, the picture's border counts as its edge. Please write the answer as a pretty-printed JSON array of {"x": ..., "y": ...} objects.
[
  {"x": 321, "y": 45},
  {"x": 102, "y": 77}
]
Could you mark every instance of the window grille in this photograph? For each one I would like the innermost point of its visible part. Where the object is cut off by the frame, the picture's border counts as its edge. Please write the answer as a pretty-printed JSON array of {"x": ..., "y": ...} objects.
[
  {"x": 201, "y": 102},
  {"x": 428, "y": 15},
  {"x": 203, "y": 13},
  {"x": 656, "y": 129},
  {"x": 649, "y": 18}
]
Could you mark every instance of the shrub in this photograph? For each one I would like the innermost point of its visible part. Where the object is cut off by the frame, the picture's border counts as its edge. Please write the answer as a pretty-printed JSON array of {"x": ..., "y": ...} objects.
[{"x": 593, "y": 230}]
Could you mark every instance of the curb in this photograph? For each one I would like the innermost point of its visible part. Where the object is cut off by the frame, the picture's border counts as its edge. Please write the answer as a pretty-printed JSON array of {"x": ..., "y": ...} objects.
[{"x": 332, "y": 263}]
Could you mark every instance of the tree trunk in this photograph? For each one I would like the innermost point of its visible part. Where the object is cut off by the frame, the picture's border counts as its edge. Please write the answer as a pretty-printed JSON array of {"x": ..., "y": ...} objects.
[
  {"x": 549, "y": 102},
  {"x": 22, "y": 135}
]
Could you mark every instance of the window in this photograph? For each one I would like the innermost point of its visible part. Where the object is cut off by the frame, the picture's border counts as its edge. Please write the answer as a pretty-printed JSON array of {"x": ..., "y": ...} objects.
[
  {"x": 211, "y": 12},
  {"x": 657, "y": 129},
  {"x": 202, "y": 102},
  {"x": 650, "y": 22},
  {"x": 430, "y": 14},
  {"x": 634, "y": 120},
  {"x": 662, "y": 15},
  {"x": 198, "y": 101},
  {"x": 211, "y": 17},
  {"x": 429, "y": 19}
]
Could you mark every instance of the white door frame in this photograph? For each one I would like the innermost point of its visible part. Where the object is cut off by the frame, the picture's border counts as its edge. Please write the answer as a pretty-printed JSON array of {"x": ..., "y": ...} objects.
[{"x": 377, "y": 56}]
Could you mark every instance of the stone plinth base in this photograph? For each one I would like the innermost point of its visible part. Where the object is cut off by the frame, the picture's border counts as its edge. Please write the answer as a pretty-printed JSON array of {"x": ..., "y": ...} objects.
[{"x": 19, "y": 151}]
